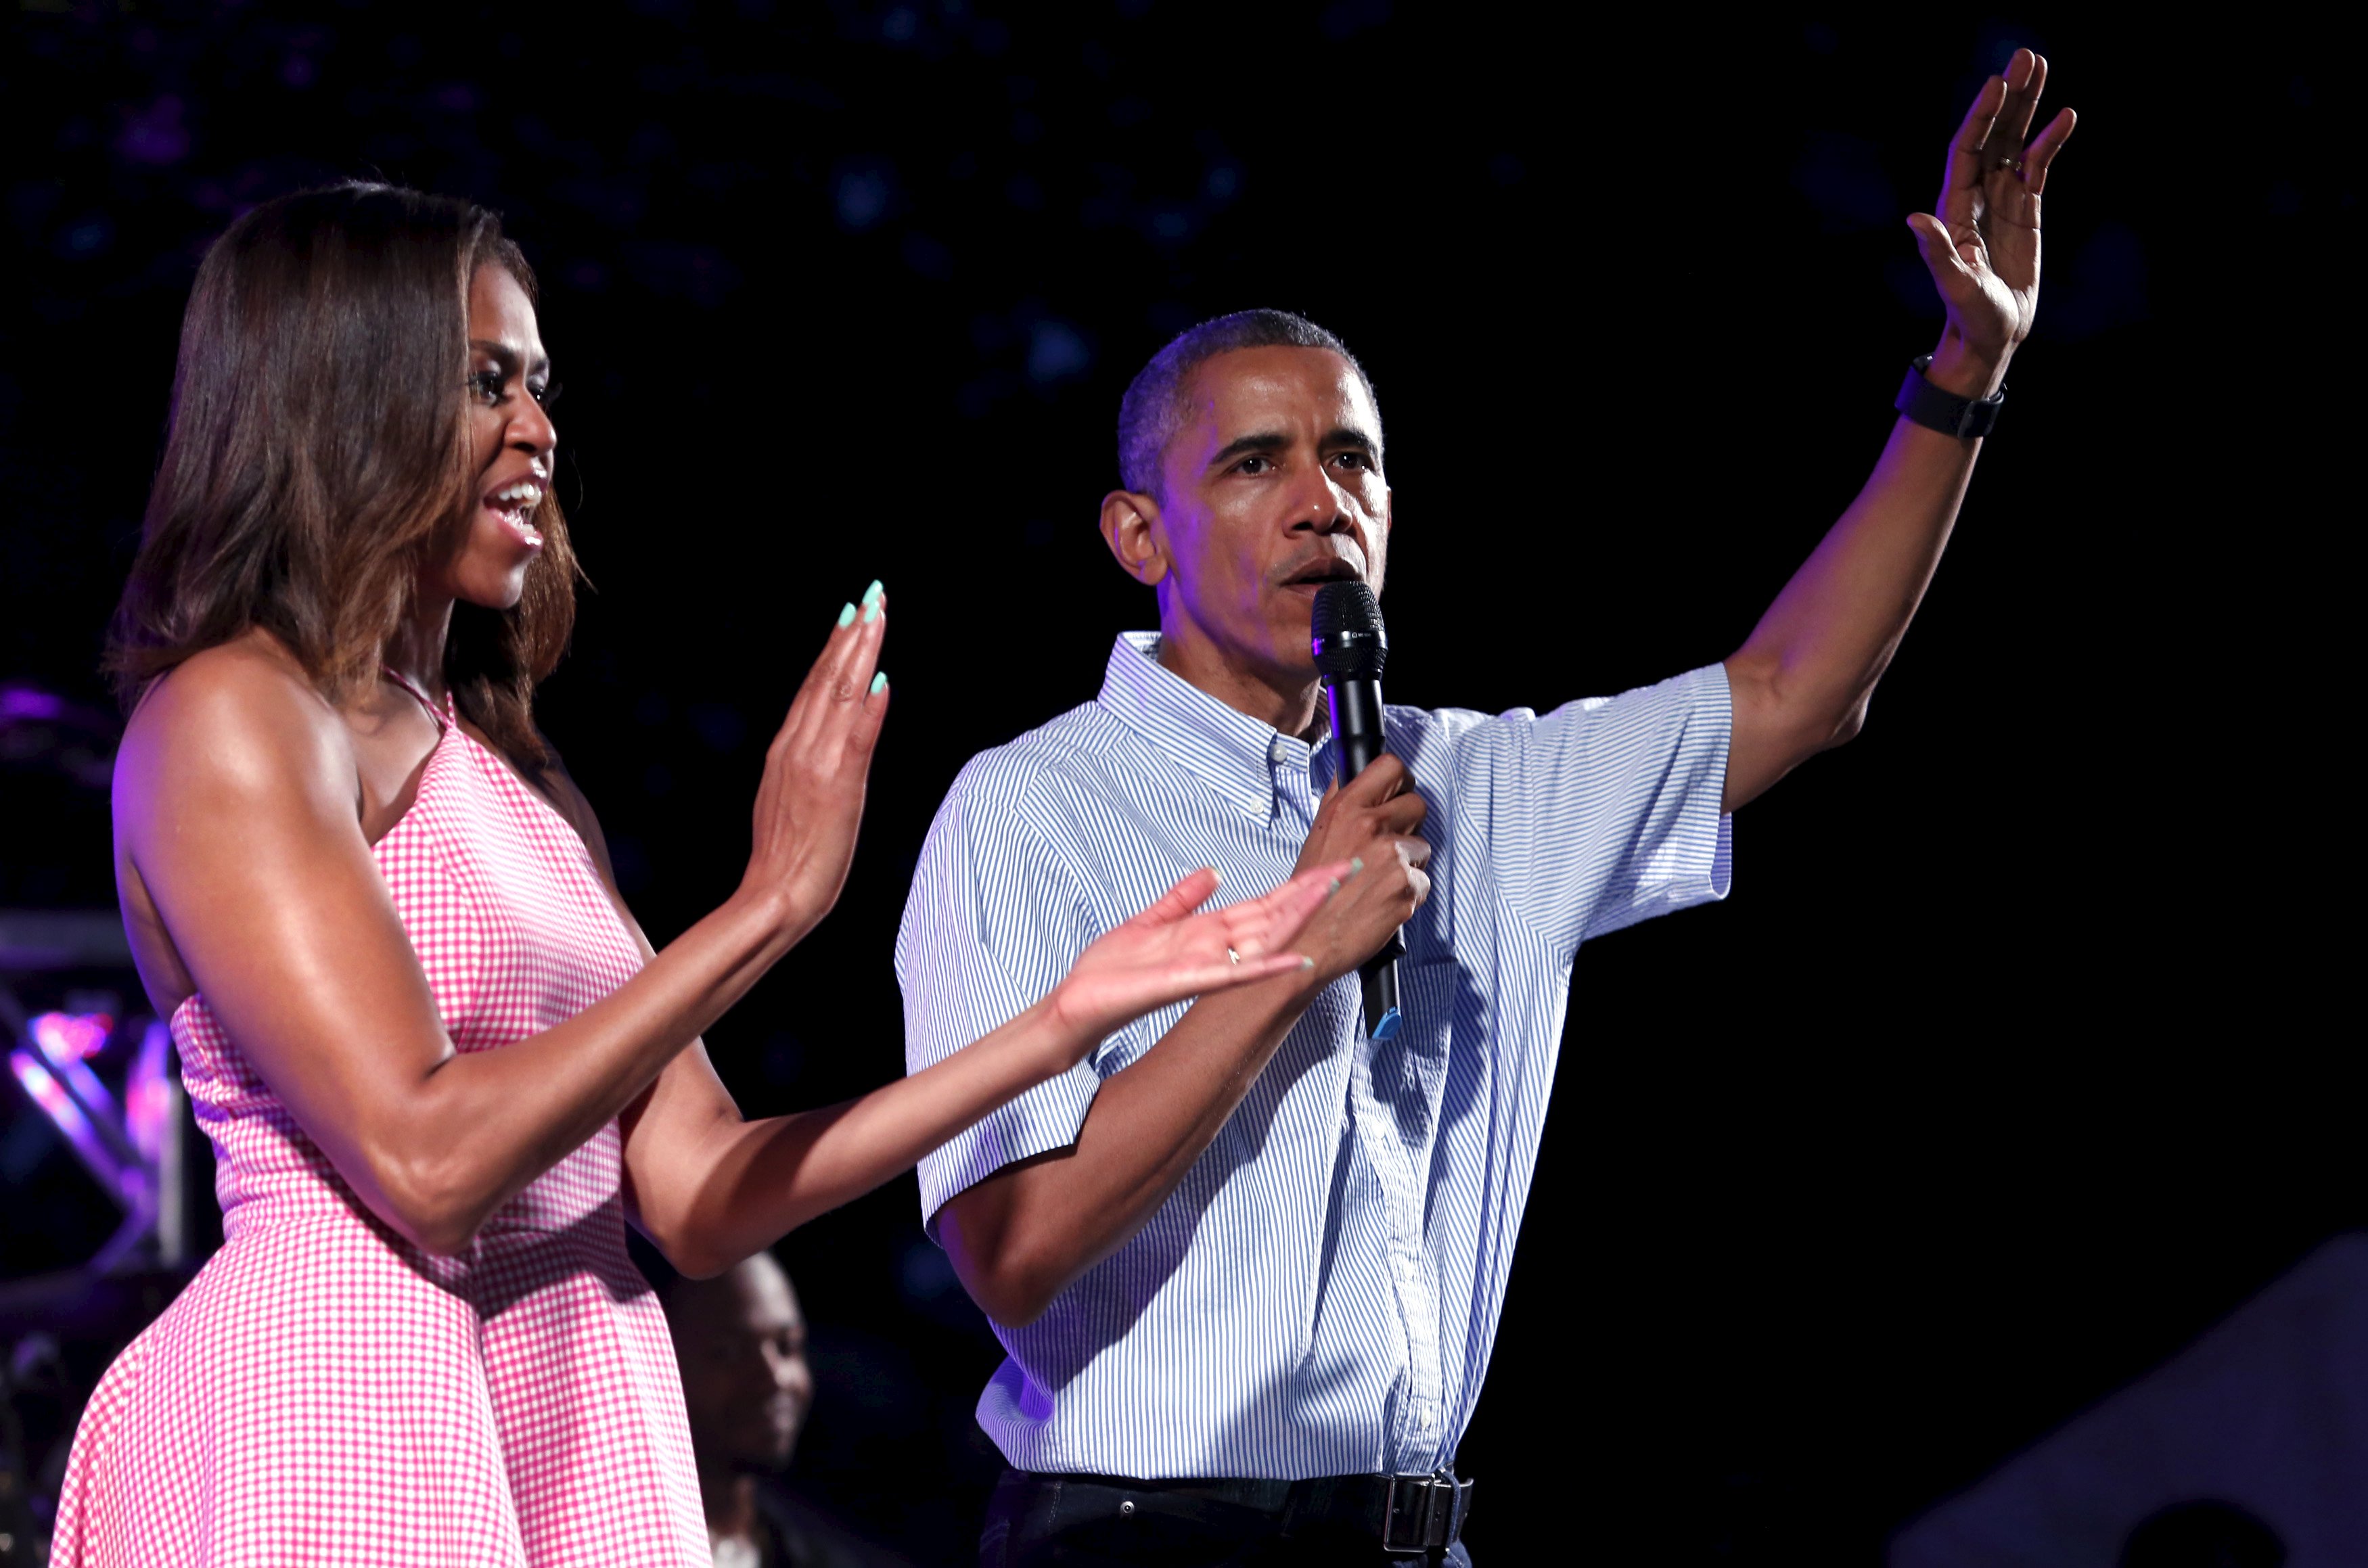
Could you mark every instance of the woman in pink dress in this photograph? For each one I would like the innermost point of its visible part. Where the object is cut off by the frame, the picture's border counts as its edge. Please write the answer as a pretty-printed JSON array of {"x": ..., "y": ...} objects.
[{"x": 441, "y": 1065}]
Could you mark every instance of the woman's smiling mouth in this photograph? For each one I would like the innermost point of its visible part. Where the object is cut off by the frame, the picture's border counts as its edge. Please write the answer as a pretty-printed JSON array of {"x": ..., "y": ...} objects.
[{"x": 513, "y": 503}]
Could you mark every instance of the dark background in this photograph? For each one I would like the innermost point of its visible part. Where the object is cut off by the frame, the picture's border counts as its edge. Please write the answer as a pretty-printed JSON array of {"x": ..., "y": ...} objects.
[{"x": 2011, "y": 1064}]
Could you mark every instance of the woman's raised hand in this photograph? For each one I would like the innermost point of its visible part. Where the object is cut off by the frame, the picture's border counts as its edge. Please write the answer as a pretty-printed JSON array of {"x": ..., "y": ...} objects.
[
  {"x": 1168, "y": 952},
  {"x": 811, "y": 801}
]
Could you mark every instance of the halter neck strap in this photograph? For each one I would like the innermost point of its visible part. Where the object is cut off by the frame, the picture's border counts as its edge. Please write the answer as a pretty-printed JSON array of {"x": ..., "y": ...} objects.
[{"x": 398, "y": 677}]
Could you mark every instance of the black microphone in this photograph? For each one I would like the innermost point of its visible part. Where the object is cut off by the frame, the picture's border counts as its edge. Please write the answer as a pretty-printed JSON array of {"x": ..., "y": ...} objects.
[{"x": 1351, "y": 649}]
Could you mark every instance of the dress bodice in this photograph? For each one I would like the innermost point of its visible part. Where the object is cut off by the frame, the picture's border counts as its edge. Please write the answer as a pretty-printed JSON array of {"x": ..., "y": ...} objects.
[{"x": 515, "y": 932}]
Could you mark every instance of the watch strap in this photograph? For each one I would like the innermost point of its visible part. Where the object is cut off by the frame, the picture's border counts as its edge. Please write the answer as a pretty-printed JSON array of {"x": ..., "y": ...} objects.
[{"x": 1928, "y": 405}]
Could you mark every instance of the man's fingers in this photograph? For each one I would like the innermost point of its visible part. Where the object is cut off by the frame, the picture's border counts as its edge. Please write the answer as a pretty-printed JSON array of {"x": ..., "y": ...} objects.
[
  {"x": 1383, "y": 778},
  {"x": 1962, "y": 182},
  {"x": 1949, "y": 269},
  {"x": 2043, "y": 152},
  {"x": 2026, "y": 76},
  {"x": 1415, "y": 851},
  {"x": 1402, "y": 814}
]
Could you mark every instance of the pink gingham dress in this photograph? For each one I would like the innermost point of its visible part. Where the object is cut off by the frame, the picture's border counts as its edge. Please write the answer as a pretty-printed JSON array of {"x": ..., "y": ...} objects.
[{"x": 324, "y": 1393}]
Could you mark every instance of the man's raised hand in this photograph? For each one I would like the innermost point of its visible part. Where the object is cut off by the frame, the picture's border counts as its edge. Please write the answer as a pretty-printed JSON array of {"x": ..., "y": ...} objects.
[
  {"x": 1168, "y": 952},
  {"x": 1983, "y": 246}
]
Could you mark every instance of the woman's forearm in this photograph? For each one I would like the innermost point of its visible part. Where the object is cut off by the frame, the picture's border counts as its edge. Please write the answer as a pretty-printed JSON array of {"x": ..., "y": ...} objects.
[
  {"x": 484, "y": 1124},
  {"x": 771, "y": 1176}
]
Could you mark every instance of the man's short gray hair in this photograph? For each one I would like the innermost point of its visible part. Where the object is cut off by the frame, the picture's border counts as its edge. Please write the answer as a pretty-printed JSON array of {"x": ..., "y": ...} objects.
[{"x": 1153, "y": 408}]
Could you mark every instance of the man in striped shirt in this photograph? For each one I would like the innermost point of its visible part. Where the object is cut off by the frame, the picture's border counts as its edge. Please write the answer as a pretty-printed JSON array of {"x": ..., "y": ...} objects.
[{"x": 1247, "y": 1261}]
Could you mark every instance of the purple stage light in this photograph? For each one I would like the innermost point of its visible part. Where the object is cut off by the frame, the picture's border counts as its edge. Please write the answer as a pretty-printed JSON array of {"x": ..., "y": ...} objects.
[
  {"x": 24, "y": 702},
  {"x": 69, "y": 1039},
  {"x": 83, "y": 1035},
  {"x": 149, "y": 1101},
  {"x": 59, "y": 1106}
]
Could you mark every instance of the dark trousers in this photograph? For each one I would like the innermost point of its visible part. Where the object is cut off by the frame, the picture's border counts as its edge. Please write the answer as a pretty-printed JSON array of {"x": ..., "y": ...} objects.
[{"x": 1068, "y": 1521}]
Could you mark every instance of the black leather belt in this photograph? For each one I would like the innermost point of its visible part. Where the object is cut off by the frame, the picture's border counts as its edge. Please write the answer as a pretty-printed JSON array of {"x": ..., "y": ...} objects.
[{"x": 1410, "y": 1515}]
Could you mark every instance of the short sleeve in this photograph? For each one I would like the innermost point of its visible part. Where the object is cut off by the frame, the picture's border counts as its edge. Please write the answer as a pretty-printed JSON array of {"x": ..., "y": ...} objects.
[
  {"x": 992, "y": 924},
  {"x": 1606, "y": 811}
]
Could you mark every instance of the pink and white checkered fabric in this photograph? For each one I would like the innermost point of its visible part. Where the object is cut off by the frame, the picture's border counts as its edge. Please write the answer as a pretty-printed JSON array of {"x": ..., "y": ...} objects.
[{"x": 324, "y": 1393}]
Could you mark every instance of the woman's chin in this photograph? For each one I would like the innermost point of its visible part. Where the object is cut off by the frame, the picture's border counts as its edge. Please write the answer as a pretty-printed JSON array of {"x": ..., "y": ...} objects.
[{"x": 494, "y": 592}]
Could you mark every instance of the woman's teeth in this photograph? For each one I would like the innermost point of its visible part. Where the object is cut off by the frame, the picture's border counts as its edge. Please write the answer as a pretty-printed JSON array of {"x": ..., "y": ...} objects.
[{"x": 513, "y": 503}]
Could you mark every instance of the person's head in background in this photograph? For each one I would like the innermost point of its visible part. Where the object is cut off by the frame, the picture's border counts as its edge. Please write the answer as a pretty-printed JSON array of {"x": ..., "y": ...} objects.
[{"x": 745, "y": 1384}]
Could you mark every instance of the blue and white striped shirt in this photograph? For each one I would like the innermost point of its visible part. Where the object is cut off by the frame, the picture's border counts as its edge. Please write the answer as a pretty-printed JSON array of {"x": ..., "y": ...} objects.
[{"x": 1320, "y": 1294}]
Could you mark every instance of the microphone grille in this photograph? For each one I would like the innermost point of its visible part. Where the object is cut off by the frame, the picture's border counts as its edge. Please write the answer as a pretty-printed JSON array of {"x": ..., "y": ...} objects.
[{"x": 1348, "y": 638}]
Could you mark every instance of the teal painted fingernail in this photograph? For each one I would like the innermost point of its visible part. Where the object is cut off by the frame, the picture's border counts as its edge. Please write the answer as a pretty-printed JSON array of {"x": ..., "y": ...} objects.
[
  {"x": 846, "y": 615},
  {"x": 1356, "y": 865},
  {"x": 870, "y": 611},
  {"x": 1307, "y": 963},
  {"x": 879, "y": 683},
  {"x": 874, "y": 593}
]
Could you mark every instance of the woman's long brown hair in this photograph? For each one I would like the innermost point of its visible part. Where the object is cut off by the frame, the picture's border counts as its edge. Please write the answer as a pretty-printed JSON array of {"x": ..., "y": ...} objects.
[{"x": 317, "y": 458}]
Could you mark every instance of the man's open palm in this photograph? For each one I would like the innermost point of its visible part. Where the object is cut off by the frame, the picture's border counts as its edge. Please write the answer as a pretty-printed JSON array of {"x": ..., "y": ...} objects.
[{"x": 1983, "y": 247}]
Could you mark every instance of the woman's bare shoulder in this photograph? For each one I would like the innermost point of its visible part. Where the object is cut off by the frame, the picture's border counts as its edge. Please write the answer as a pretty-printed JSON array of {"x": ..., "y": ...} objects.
[{"x": 241, "y": 712}]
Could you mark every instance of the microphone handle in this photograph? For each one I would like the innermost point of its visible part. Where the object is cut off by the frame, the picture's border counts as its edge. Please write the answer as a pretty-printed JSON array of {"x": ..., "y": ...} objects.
[{"x": 1357, "y": 725}]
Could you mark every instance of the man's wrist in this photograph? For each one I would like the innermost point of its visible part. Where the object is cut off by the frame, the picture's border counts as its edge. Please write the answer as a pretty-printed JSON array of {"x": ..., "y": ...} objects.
[{"x": 1961, "y": 371}]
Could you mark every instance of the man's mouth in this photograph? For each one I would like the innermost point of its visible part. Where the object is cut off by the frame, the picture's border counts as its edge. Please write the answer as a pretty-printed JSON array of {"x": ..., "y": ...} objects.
[
  {"x": 1335, "y": 569},
  {"x": 514, "y": 503}
]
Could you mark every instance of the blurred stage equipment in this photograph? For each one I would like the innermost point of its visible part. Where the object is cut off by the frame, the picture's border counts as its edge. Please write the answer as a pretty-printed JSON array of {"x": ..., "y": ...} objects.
[
  {"x": 133, "y": 1144},
  {"x": 39, "y": 729},
  {"x": 2248, "y": 1446}
]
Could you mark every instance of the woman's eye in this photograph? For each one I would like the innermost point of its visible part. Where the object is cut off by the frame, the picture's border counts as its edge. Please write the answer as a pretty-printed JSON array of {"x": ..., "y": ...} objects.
[
  {"x": 545, "y": 394},
  {"x": 486, "y": 384}
]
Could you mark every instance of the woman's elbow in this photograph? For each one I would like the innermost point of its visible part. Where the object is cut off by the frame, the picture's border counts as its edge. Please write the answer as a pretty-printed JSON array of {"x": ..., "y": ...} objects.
[
  {"x": 691, "y": 1256},
  {"x": 429, "y": 1206}
]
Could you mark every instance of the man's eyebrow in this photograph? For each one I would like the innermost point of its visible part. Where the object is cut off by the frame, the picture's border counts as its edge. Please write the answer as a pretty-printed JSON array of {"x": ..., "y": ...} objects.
[
  {"x": 504, "y": 356},
  {"x": 1345, "y": 436},
  {"x": 1262, "y": 441}
]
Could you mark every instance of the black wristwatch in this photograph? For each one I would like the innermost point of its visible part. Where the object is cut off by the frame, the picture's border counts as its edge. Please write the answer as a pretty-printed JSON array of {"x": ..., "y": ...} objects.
[{"x": 1928, "y": 405}]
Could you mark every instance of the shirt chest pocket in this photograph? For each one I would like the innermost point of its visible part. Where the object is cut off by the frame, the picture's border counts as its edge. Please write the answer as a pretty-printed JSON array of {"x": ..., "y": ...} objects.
[
  {"x": 1429, "y": 993},
  {"x": 1411, "y": 1068}
]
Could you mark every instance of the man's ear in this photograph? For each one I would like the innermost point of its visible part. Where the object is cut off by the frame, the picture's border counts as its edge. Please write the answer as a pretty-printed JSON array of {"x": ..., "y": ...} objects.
[{"x": 1131, "y": 528}]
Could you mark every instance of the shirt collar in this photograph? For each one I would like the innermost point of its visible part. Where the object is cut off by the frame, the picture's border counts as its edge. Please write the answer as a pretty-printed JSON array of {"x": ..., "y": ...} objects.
[{"x": 1226, "y": 749}]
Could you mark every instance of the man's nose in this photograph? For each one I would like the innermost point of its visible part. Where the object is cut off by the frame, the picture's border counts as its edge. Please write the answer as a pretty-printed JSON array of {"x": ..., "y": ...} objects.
[{"x": 1318, "y": 505}]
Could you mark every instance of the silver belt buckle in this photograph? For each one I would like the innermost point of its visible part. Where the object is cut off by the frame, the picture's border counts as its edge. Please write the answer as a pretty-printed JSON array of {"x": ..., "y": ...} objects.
[{"x": 1421, "y": 1512}]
